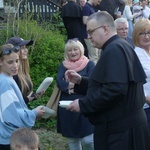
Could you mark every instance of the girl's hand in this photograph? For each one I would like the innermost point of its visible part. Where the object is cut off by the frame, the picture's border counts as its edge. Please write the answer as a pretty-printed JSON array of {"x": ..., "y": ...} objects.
[
  {"x": 40, "y": 111},
  {"x": 72, "y": 76},
  {"x": 32, "y": 96}
]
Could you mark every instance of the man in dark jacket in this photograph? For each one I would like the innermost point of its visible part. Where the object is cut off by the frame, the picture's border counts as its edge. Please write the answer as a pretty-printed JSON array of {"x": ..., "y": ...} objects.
[
  {"x": 112, "y": 7},
  {"x": 71, "y": 14},
  {"x": 114, "y": 93}
]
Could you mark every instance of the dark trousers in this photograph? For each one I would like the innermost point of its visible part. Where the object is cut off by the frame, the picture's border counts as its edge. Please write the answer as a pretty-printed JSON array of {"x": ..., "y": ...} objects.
[{"x": 4, "y": 147}]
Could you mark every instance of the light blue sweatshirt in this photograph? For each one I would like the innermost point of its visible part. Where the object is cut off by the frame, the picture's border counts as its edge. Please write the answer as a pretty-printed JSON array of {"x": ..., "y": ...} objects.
[{"x": 13, "y": 110}]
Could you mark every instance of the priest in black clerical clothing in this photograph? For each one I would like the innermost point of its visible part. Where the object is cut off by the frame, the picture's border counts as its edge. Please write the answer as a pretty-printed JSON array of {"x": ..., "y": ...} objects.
[{"x": 114, "y": 93}]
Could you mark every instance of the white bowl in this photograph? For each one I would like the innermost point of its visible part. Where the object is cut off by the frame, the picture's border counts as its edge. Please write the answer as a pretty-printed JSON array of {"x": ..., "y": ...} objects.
[
  {"x": 48, "y": 112},
  {"x": 45, "y": 84},
  {"x": 64, "y": 103}
]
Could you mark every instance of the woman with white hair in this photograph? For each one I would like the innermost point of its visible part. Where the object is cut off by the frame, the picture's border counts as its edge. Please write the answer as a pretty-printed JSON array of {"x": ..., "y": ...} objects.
[
  {"x": 122, "y": 28},
  {"x": 74, "y": 126}
]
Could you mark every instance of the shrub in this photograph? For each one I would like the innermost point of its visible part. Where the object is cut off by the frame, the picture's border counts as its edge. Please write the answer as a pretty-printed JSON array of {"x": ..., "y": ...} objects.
[{"x": 45, "y": 55}]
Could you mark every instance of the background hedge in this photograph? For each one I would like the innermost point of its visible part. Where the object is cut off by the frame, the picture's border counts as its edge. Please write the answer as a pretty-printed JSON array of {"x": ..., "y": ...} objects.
[{"x": 45, "y": 55}]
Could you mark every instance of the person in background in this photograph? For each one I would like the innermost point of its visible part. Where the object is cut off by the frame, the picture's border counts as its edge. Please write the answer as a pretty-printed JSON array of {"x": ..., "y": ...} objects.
[
  {"x": 71, "y": 14},
  {"x": 14, "y": 113},
  {"x": 63, "y": 2},
  {"x": 121, "y": 25},
  {"x": 146, "y": 9},
  {"x": 23, "y": 78},
  {"x": 113, "y": 7},
  {"x": 87, "y": 10},
  {"x": 138, "y": 9},
  {"x": 74, "y": 126},
  {"x": 82, "y": 2},
  {"x": 141, "y": 39},
  {"x": 24, "y": 139},
  {"x": 114, "y": 92},
  {"x": 127, "y": 13}
]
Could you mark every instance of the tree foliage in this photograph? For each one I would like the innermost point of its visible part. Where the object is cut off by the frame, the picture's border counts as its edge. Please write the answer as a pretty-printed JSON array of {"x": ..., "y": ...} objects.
[{"x": 46, "y": 53}]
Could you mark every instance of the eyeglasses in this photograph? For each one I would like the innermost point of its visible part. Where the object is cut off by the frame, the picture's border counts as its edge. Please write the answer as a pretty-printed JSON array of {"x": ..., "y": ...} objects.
[
  {"x": 143, "y": 34},
  {"x": 90, "y": 32},
  {"x": 74, "y": 39},
  {"x": 122, "y": 29},
  {"x": 10, "y": 50}
]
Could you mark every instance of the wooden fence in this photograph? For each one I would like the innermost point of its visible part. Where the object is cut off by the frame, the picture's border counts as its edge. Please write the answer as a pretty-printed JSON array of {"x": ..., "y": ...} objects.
[{"x": 40, "y": 9}]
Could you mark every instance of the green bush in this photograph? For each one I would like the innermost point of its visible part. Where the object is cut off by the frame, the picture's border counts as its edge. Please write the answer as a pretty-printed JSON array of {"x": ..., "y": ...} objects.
[{"x": 45, "y": 55}]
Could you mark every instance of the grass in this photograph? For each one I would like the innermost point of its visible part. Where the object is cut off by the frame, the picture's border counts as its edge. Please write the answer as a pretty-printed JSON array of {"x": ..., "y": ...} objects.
[{"x": 51, "y": 140}]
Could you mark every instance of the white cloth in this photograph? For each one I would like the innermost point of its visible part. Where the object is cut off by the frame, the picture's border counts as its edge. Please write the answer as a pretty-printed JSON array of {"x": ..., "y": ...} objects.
[
  {"x": 137, "y": 9},
  {"x": 145, "y": 61},
  {"x": 127, "y": 13},
  {"x": 146, "y": 12}
]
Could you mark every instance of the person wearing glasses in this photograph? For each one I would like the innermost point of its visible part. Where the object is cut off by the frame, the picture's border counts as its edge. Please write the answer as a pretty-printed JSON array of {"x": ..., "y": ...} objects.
[
  {"x": 74, "y": 126},
  {"x": 141, "y": 39},
  {"x": 114, "y": 92},
  {"x": 122, "y": 28},
  {"x": 13, "y": 110},
  {"x": 23, "y": 78}
]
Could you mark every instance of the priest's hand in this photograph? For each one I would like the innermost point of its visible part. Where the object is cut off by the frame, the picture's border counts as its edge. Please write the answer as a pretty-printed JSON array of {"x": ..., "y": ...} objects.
[
  {"x": 72, "y": 76},
  {"x": 148, "y": 99},
  {"x": 74, "y": 106}
]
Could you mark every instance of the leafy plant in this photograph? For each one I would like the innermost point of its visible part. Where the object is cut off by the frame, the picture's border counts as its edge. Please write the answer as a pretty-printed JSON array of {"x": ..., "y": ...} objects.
[{"x": 45, "y": 55}]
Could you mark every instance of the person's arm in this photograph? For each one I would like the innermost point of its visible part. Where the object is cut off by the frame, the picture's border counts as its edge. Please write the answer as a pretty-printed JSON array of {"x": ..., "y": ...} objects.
[
  {"x": 102, "y": 98},
  {"x": 85, "y": 19},
  {"x": 16, "y": 114},
  {"x": 81, "y": 82},
  {"x": 82, "y": 87},
  {"x": 25, "y": 97},
  {"x": 85, "y": 13},
  {"x": 61, "y": 80},
  {"x": 128, "y": 13},
  {"x": 146, "y": 12}
]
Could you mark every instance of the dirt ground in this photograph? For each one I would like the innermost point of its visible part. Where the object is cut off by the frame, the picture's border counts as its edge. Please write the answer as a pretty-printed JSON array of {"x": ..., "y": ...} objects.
[{"x": 51, "y": 140}]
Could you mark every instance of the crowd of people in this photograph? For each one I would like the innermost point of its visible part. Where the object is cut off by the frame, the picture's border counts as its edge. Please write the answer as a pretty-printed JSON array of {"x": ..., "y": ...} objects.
[
  {"x": 131, "y": 10},
  {"x": 14, "y": 112},
  {"x": 105, "y": 73}
]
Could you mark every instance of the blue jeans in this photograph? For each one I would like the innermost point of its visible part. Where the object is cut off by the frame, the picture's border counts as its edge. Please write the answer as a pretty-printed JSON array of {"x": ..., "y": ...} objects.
[{"x": 130, "y": 28}]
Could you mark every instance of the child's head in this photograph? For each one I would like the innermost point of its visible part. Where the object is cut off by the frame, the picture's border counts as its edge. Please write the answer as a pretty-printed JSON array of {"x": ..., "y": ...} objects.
[{"x": 24, "y": 139}]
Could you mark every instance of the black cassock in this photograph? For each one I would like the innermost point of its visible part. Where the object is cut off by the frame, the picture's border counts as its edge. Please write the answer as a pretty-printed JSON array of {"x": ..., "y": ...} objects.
[{"x": 114, "y": 99}]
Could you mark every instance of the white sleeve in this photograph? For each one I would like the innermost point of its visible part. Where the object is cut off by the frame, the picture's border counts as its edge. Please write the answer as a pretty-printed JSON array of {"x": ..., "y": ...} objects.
[
  {"x": 128, "y": 13},
  {"x": 146, "y": 13}
]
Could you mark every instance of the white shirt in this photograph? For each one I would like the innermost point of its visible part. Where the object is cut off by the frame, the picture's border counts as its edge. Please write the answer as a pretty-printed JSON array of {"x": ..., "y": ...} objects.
[
  {"x": 137, "y": 9},
  {"x": 145, "y": 61},
  {"x": 146, "y": 12},
  {"x": 127, "y": 13}
]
